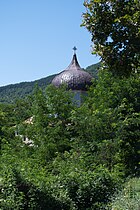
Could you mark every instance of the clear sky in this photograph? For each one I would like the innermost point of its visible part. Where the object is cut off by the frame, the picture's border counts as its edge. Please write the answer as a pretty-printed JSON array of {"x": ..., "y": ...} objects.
[{"x": 37, "y": 37}]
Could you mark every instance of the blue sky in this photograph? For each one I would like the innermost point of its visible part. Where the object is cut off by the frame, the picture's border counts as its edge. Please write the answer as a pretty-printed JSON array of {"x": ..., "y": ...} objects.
[{"x": 37, "y": 37}]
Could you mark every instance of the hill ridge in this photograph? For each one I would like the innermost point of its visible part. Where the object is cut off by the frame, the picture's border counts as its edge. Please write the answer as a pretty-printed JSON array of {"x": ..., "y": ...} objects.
[{"x": 9, "y": 93}]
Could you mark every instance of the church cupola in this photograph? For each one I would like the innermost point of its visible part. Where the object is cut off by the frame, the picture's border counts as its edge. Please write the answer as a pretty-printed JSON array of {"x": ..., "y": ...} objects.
[{"x": 74, "y": 77}]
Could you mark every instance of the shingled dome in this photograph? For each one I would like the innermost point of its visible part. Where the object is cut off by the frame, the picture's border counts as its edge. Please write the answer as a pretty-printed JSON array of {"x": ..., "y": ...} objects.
[{"x": 73, "y": 76}]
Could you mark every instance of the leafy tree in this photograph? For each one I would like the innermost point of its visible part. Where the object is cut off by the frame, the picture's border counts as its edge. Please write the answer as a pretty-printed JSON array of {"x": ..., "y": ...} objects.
[
  {"x": 6, "y": 121},
  {"x": 79, "y": 154},
  {"x": 50, "y": 115},
  {"x": 21, "y": 109},
  {"x": 63, "y": 169},
  {"x": 115, "y": 30},
  {"x": 114, "y": 106}
]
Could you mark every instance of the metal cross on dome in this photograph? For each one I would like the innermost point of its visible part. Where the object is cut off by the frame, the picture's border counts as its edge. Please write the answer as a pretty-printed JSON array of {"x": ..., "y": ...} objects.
[{"x": 74, "y": 49}]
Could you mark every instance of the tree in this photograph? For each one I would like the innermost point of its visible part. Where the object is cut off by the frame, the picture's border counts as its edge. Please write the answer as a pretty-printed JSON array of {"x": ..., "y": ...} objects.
[
  {"x": 115, "y": 112},
  {"x": 60, "y": 170},
  {"x": 115, "y": 30},
  {"x": 50, "y": 119}
]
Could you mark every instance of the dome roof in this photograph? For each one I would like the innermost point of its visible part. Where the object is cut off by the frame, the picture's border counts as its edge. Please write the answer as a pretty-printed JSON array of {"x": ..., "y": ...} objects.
[{"x": 74, "y": 77}]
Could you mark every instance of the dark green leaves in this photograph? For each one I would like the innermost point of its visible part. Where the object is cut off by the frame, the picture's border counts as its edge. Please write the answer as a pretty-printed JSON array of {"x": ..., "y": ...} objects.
[{"x": 115, "y": 32}]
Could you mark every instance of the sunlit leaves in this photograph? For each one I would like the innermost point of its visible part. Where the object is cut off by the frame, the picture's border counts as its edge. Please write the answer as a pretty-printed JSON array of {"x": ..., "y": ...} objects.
[{"x": 115, "y": 32}]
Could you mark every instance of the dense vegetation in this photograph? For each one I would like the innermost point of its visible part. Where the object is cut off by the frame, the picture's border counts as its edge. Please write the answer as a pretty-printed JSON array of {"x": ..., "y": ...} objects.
[
  {"x": 79, "y": 157},
  {"x": 10, "y": 93},
  {"x": 76, "y": 158},
  {"x": 115, "y": 32}
]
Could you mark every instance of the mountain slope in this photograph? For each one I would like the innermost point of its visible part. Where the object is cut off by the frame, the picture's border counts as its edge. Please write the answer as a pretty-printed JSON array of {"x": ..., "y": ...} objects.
[
  {"x": 9, "y": 93},
  {"x": 93, "y": 69}
]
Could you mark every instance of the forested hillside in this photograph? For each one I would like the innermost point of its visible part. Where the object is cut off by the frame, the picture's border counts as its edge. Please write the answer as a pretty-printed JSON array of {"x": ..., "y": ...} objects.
[
  {"x": 10, "y": 93},
  {"x": 93, "y": 69}
]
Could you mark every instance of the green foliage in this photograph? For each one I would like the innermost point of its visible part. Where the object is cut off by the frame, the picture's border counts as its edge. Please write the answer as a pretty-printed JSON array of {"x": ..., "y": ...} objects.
[
  {"x": 22, "y": 109},
  {"x": 115, "y": 32},
  {"x": 79, "y": 157},
  {"x": 129, "y": 197},
  {"x": 115, "y": 110},
  {"x": 50, "y": 117},
  {"x": 86, "y": 187},
  {"x": 21, "y": 186},
  {"x": 64, "y": 184}
]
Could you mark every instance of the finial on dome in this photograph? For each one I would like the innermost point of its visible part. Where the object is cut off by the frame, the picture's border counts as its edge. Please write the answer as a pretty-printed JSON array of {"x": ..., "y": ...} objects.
[{"x": 74, "y": 48}]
